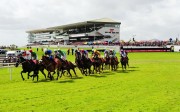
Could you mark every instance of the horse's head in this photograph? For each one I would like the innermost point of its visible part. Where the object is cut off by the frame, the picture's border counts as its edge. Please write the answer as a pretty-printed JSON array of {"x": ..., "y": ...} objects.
[
  {"x": 96, "y": 56},
  {"x": 20, "y": 59}
]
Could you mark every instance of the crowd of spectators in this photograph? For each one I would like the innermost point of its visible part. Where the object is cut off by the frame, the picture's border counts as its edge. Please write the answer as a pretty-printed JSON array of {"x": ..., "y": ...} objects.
[
  {"x": 9, "y": 47},
  {"x": 121, "y": 43}
]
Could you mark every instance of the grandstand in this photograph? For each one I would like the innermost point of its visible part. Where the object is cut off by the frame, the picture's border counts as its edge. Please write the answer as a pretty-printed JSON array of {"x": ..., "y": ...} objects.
[{"x": 104, "y": 29}]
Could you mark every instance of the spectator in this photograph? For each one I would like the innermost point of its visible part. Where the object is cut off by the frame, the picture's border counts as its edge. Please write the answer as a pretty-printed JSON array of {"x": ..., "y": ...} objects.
[
  {"x": 68, "y": 51},
  {"x": 72, "y": 50}
]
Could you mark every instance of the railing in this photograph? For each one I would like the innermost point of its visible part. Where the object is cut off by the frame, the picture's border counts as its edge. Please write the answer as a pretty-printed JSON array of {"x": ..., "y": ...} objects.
[{"x": 9, "y": 66}]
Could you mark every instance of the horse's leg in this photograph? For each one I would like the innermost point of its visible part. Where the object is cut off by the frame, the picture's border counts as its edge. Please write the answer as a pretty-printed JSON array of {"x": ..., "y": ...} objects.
[
  {"x": 69, "y": 72},
  {"x": 122, "y": 66},
  {"x": 93, "y": 69},
  {"x": 28, "y": 75},
  {"x": 53, "y": 75},
  {"x": 50, "y": 76},
  {"x": 57, "y": 73},
  {"x": 37, "y": 77},
  {"x": 125, "y": 66},
  {"x": 74, "y": 71},
  {"x": 89, "y": 70},
  {"x": 128, "y": 63},
  {"x": 42, "y": 71},
  {"x": 22, "y": 75},
  {"x": 62, "y": 73}
]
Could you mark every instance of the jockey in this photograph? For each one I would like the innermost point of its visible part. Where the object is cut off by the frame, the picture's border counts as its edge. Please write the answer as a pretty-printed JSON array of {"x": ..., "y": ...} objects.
[
  {"x": 106, "y": 53},
  {"x": 112, "y": 53},
  {"x": 61, "y": 55},
  {"x": 84, "y": 52},
  {"x": 123, "y": 54},
  {"x": 96, "y": 53},
  {"x": 26, "y": 55},
  {"x": 33, "y": 55},
  {"x": 48, "y": 53},
  {"x": 78, "y": 54}
]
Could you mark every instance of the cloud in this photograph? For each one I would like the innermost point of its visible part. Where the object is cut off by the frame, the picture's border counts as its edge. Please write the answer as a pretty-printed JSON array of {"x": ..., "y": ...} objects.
[{"x": 146, "y": 19}]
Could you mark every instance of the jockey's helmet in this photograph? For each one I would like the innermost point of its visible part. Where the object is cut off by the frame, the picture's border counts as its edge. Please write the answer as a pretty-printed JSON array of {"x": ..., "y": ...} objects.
[{"x": 30, "y": 51}]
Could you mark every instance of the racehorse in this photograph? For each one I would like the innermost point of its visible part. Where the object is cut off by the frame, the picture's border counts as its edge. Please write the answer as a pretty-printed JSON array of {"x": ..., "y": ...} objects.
[
  {"x": 87, "y": 63},
  {"x": 51, "y": 66},
  {"x": 78, "y": 61},
  {"x": 28, "y": 66},
  {"x": 107, "y": 62},
  {"x": 107, "y": 59},
  {"x": 124, "y": 62},
  {"x": 114, "y": 63},
  {"x": 67, "y": 65},
  {"x": 97, "y": 63}
]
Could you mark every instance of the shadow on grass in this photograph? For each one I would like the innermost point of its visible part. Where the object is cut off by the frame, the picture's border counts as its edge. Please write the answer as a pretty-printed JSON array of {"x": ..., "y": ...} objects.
[
  {"x": 66, "y": 81},
  {"x": 77, "y": 78},
  {"x": 42, "y": 80},
  {"x": 97, "y": 75},
  {"x": 109, "y": 73},
  {"x": 132, "y": 67},
  {"x": 125, "y": 71}
]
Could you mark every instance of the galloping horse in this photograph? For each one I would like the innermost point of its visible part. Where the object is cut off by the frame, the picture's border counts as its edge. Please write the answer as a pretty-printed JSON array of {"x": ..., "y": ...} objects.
[
  {"x": 67, "y": 65},
  {"x": 114, "y": 63},
  {"x": 87, "y": 63},
  {"x": 107, "y": 60},
  {"x": 28, "y": 66},
  {"x": 78, "y": 61},
  {"x": 97, "y": 63},
  {"x": 51, "y": 66},
  {"x": 124, "y": 62}
]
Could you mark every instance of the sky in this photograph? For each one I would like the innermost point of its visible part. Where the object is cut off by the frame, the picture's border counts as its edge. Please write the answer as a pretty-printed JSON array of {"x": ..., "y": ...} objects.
[{"x": 141, "y": 19}]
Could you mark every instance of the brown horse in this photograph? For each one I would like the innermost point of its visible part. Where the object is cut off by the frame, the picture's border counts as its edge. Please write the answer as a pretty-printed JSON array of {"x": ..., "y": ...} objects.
[
  {"x": 51, "y": 66},
  {"x": 68, "y": 65},
  {"x": 124, "y": 62},
  {"x": 114, "y": 63},
  {"x": 29, "y": 66},
  {"x": 87, "y": 63},
  {"x": 97, "y": 64}
]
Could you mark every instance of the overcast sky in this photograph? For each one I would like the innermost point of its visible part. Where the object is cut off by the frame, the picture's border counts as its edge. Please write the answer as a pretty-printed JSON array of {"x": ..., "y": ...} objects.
[{"x": 147, "y": 19}]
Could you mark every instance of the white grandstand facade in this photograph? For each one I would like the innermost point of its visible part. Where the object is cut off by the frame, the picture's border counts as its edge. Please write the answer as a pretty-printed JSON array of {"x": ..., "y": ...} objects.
[{"x": 89, "y": 31}]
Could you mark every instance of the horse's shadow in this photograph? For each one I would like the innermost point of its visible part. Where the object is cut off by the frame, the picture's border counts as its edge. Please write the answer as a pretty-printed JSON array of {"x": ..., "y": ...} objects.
[
  {"x": 42, "y": 80},
  {"x": 66, "y": 81},
  {"x": 133, "y": 67},
  {"x": 126, "y": 71},
  {"x": 77, "y": 78},
  {"x": 97, "y": 76},
  {"x": 109, "y": 72}
]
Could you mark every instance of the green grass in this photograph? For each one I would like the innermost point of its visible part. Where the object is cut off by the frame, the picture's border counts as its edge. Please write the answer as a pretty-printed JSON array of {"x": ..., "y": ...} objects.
[{"x": 151, "y": 84}]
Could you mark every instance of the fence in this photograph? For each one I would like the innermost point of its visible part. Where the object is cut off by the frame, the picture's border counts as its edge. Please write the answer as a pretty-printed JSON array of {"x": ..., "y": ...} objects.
[{"x": 9, "y": 66}]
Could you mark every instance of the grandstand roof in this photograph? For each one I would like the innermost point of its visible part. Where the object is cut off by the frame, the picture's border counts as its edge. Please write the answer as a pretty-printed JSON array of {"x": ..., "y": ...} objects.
[
  {"x": 79, "y": 24},
  {"x": 40, "y": 31}
]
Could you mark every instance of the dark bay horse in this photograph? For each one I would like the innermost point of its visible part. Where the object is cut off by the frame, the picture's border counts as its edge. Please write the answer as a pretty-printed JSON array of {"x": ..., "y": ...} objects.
[
  {"x": 124, "y": 62},
  {"x": 114, "y": 63},
  {"x": 29, "y": 66},
  {"x": 51, "y": 66},
  {"x": 78, "y": 61},
  {"x": 87, "y": 63},
  {"x": 67, "y": 65},
  {"x": 97, "y": 64}
]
